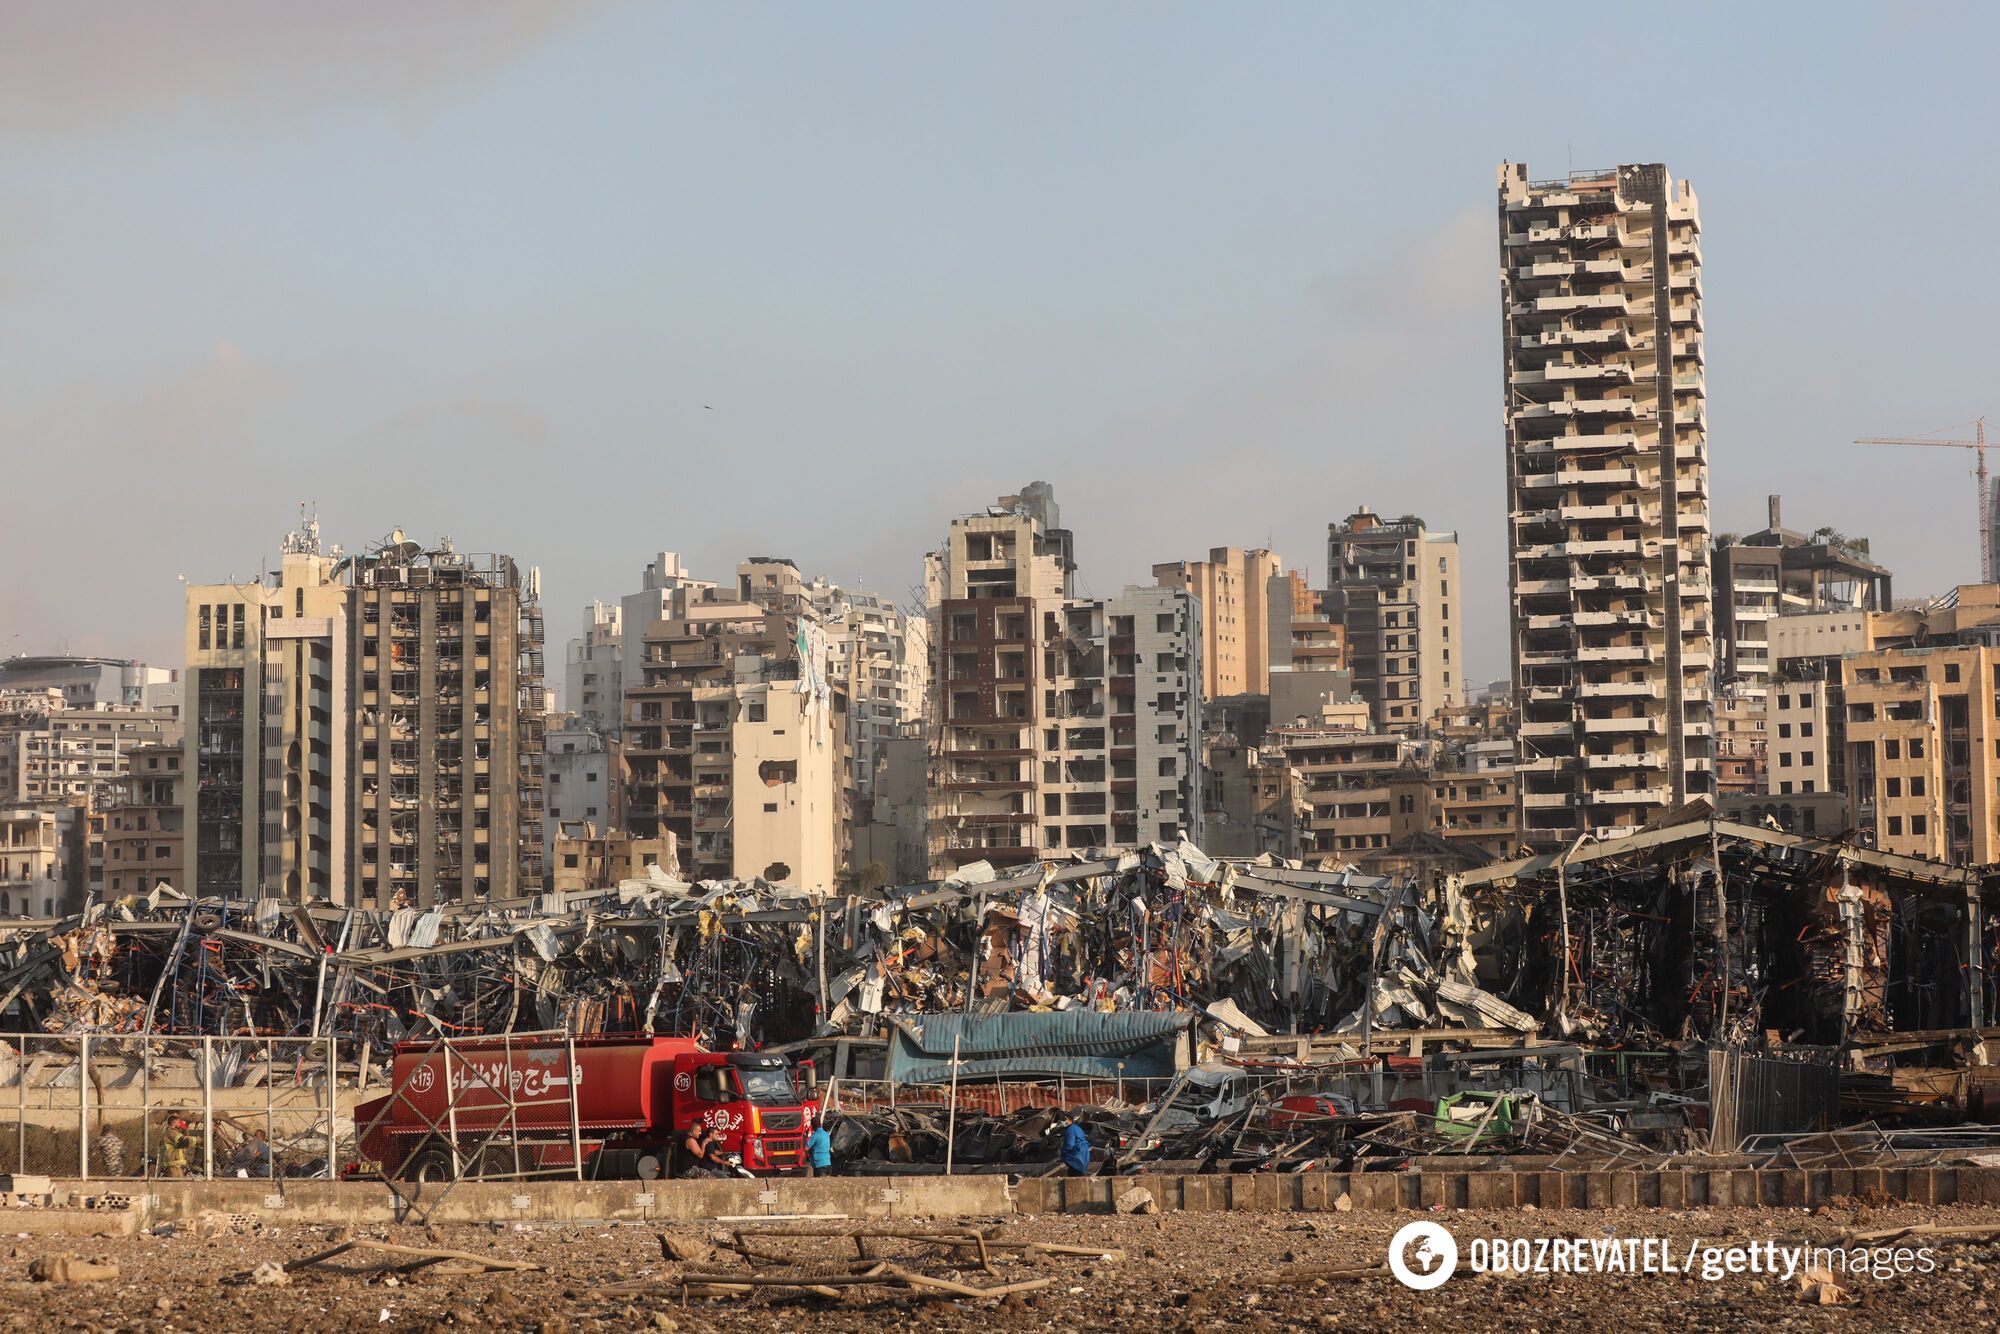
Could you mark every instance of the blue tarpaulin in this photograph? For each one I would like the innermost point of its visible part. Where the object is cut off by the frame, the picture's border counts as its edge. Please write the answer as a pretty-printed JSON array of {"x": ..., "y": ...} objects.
[{"x": 1075, "y": 1044}]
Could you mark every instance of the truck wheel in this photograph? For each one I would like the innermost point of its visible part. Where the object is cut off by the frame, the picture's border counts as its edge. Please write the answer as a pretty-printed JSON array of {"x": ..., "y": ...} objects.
[{"x": 429, "y": 1167}]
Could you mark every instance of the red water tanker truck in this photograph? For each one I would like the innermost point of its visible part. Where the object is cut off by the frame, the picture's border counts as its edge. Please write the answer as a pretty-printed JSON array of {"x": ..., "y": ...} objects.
[{"x": 634, "y": 1098}]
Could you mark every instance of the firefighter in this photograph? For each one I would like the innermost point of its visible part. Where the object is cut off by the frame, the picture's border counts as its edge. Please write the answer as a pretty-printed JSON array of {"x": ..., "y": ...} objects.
[{"x": 176, "y": 1146}]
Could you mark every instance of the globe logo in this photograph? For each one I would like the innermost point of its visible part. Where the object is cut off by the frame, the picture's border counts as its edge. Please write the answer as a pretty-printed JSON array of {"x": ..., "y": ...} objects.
[{"x": 1422, "y": 1255}]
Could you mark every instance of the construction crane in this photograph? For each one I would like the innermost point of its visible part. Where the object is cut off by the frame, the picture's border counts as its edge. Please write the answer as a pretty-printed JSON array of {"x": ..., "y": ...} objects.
[{"x": 1978, "y": 442}]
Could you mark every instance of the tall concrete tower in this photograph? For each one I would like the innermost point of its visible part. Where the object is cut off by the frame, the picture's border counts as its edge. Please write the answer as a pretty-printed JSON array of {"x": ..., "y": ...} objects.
[{"x": 1607, "y": 497}]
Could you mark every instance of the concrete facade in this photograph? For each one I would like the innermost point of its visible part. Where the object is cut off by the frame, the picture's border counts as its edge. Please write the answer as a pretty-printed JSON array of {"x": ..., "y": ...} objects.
[
  {"x": 1346, "y": 778},
  {"x": 594, "y": 669},
  {"x": 1057, "y": 722},
  {"x": 269, "y": 732},
  {"x": 582, "y": 782},
  {"x": 448, "y": 766},
  {"x": 1233, "y": 587},
  {"x": 144, "y": 840},
  {"x": 1607, "y": 483},
  {"x": 1392, "y": 587},
  {"x": 41, "y": 860},
  {"x": 1923, "y": 744},
  {"x": 736, "y": 713}
]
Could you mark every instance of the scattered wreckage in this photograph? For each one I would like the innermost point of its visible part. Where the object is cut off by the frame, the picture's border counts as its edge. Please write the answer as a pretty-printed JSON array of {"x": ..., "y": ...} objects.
[{"x": 1643, "y": 953}]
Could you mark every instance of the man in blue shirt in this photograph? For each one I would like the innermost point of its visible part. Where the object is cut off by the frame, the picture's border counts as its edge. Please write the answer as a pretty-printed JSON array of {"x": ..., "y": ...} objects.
[
  {"x": 1076, "y": 1149},
  {"x": 819, "y": 1152}
]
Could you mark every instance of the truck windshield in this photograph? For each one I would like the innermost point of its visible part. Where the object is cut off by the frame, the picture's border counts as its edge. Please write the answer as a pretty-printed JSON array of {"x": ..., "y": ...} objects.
[{"x": 767, "y": 1088}]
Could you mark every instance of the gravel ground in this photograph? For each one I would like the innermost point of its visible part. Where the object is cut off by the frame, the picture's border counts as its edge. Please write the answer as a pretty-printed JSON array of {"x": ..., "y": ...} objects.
[{"x": 1180, "y": 1271}]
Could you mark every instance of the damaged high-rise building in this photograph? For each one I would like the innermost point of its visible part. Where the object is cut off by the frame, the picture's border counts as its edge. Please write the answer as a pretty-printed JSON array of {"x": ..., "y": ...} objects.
[
  {"x": 1607, "y": 486},
  {"x": 735, "y": 733},
  {"x": 366, "y": 729},
  {"x": 1391, "y": 587},
  {"x": 1057, "y": 722}
]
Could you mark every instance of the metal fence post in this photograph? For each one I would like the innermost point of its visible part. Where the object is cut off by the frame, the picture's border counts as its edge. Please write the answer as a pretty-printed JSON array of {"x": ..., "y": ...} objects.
[
  {"x": 208, "y": 1108},
  {"x": 83, "y": 1110},
  {"x": 332, "y": 1107},
  {"x": 575, "y": 1126},
  {"x": 21, "y": 1115},
  {"x": 145, "y": 1105}
]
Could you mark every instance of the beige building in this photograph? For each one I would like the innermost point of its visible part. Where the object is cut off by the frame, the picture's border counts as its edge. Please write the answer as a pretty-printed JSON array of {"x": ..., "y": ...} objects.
[
  {"x": 1393, "y": 588},
  {"x": 1924, "y": 750},
  {"x": 41, "y": 860},
  {"x": 1058, "y": 723},
  {"x": 143, "y": 844},
  {"x": 1253, "y": 804},
  {"x": 735, "y": 736},
  {"x": 1473, "y": 813},
  {"x": 1607, "y": 481},
  {"x": 587, "y": 856},
  {"x": 366, "y": 729},
  {"x": 1233, "y": 587},
  {"x": 1799, "y": 756},
  {"x": 1346, "y": 779},
  {"x": 269, "y": 730}
]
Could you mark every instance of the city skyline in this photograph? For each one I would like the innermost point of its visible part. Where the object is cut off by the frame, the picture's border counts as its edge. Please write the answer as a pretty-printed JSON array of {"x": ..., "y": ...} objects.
[{"x": 313, "y": 279}]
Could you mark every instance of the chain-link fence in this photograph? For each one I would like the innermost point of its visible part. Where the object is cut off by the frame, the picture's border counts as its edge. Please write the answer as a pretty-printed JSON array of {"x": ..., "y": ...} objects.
[
  {"x": 116, "y": 1106},
  {"x": 1002, "y": 1098}
]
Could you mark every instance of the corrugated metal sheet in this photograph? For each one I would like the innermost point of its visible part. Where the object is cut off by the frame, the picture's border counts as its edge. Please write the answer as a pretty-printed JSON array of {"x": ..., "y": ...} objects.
[{"x": 1085, "y": 1044}]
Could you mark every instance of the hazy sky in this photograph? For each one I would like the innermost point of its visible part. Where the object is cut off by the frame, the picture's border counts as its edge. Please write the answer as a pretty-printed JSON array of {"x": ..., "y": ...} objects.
[{"x": 582, "y": 283}]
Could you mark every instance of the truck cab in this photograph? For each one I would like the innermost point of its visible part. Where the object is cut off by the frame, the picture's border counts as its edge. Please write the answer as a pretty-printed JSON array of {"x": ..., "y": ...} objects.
[{"x": 751, "y": 1101}]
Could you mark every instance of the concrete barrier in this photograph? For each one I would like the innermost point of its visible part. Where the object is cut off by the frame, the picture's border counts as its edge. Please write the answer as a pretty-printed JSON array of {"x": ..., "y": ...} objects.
[
  {"x": 1675, "y": 1187},
  {"x": 329, "y": 1202}
]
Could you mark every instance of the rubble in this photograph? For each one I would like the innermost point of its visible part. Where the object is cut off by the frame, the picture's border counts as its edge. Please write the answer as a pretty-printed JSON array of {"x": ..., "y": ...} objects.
[{"x": 1692, "y": 934}]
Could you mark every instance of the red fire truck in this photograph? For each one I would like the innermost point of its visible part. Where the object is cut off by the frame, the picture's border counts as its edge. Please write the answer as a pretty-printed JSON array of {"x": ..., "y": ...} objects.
[{"x": 634, "y": 1099}]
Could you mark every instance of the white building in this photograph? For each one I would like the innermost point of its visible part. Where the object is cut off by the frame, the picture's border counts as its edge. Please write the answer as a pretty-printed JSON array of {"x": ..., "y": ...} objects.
[{"x": 594, "y": 669}]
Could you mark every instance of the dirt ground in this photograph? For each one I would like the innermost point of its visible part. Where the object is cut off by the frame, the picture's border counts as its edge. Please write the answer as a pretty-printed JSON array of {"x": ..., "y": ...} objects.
[{"x": 1203, "y": 1271}]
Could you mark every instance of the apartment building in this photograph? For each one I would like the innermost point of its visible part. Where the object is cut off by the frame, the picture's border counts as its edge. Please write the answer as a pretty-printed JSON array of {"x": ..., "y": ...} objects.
[
  {"x": 666, "y": 590},
  {"x": 1777, "y": 573},
  {"x": 1308, "y": 680},
  {"x": 582, "y": 782},
  {"x": 1252, "y": 803},
  {"x": 1233, "y": 587},
  {"x": 143, "y": 843},
  {"x": 1607, "y": 482},
  {"x": 449, "y": 746},
  {"x": 881, "y": 657},
  {"x": 1923, "y": 747},
  {"x": 735, "y": 738},
  {"x": 1740, "y": 740},
  {"x": 1473, "y": 813},
  {"x": 594, "y": 669},
  {"x": 41, "y": 860},
  {"x": 367, "y": 728},
  {"x": 89, "y": 683},
  {"x": 587, "y": 856},
  {"x": 1347, "y": 781},
  {"x": 1057, "y": 722},
  {"x": 1802, "y": 751},
  {"x": 270, "y": 729},
  {"x": 1392, "y": 587}
]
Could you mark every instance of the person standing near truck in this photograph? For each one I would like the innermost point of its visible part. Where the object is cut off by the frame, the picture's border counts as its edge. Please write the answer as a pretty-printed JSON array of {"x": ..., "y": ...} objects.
[
  {"x": 697, "y": 1151},
  {"x": 819, "y": 1152}
]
